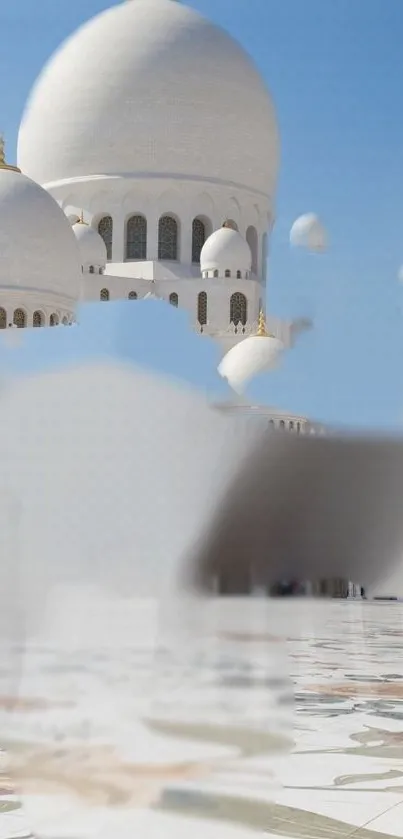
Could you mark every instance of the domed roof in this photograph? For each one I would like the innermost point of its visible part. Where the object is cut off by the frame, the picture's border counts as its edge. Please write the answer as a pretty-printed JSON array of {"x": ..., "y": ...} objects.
[
  {"x": 226, "y": 250},
  {"x": 91, "y": 244},
  {"x": 38, "y": 251},
  {"x": 150, "y": 87},
  {"x": 252, "y": 356}
]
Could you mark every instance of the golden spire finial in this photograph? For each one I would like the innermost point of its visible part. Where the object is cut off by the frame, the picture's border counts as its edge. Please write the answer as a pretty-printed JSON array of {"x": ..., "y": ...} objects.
[
  {"x": 261, "y": 329},
  {"x": 80, "y": 219},
  {"x": 3, "y": 162}
]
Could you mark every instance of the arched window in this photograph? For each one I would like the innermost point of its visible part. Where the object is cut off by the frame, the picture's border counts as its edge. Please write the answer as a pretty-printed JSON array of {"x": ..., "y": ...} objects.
[
  {"x": 37, "y": 319},
  {"x": 167, "y": 238},
  {"x": 227, "y": 272},
  {"x": 252, "y": 240},
  {"x": 136, "y": 238},
  {"x": 238, "y": 309},
  {"x": 298, "y": 427},
  {"x": 3, "y": 319},
  {"x": 198, "y": 238},
  {"x": 216, "y": 273},
  {"x": 174, "y": 299},
  {"x": 282, "y": 425},
  {"x": 239, "y": 275},
  {"x": 105, "y": 230},
  {"x": 104, "y": 294},
  {"x": 91, "y": 269},
  {"x": 271, "y": 423},
  {"x": 291, "y": 426},
  {"x": 132, "y": 295},
  {"x": 20, "y": 318},
  {"x": 202, "y": 308},
  {"x": 65, "y": 321},
  {"x": 53, "y": 320}
]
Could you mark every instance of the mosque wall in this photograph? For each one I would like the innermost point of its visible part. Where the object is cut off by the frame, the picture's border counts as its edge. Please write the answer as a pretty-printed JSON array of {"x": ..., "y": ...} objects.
[{"x": 121, "y": 199}]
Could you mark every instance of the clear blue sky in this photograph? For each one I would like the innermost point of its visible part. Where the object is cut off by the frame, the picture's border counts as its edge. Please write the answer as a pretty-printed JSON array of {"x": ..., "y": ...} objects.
[{"x": 335, "y": 70}]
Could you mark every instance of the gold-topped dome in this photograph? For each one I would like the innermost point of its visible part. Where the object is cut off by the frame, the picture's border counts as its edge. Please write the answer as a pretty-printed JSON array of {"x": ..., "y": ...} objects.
[{"x": 3, "y": 162}]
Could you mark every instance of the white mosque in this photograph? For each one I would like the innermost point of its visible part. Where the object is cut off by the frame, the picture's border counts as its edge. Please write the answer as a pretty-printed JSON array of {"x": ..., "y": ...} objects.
[{"x": 147, "y": 164}]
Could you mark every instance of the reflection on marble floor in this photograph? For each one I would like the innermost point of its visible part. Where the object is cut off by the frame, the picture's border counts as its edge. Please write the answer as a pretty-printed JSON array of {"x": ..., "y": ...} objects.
[{"x": 343, "y": 778}]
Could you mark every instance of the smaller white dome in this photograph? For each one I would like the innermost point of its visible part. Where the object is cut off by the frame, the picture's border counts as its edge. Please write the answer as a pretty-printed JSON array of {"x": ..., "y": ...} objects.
[
  {"x": 91, "y": 244},
  {"x": 254, "y": 355},
  {"x": 308, "y": 232},
  {"x": 38, "y": 252},
  {"x": 226, "y": 250}
]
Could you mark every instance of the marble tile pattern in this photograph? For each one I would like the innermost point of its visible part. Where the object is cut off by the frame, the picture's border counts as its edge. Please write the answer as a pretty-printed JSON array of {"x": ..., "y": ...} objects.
[{"x": 218, "y": 773}]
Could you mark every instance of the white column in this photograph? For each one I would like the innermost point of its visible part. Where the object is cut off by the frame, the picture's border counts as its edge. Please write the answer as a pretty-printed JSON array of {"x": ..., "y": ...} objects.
[
  {"x": 152, "y": 236},
  {"x": 185, "y": 242},
  {"x": 118, "y": 241}
]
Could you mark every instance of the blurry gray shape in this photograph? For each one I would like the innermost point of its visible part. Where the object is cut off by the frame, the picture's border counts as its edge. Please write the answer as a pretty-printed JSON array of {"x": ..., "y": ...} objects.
[
  {"x": 400, "y": 274},
  {"x": 310, "y": 508},
  {"x": 298, "y": 327},
  {"x": 118, "y": 472}
]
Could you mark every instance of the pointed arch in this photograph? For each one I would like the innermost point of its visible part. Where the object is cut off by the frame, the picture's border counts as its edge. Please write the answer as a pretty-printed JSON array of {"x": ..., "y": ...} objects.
[
  {"x": 104, "y": 294},
  {"x": 253, "y": 242},
  {"x": 199, "y": 235},
  {"x": 174, "y": 299},
  {"x": 136, "y": 237},
  {"x": 54, "y": 319},
  {"x": 38, "y": 318},
  {"x": 238, "y": 309},
  {"x": 202, "y": 308},
  {"x": 105, "y": 230},
  {"x": 168, "y": 238},
  {"x": 19, "y": 318}
]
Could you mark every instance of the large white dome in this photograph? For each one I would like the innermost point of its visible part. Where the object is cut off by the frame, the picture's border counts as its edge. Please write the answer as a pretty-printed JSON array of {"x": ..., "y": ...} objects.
[
  {"x": 38, "y": 250},
  {"x": 150, "y": 87}
]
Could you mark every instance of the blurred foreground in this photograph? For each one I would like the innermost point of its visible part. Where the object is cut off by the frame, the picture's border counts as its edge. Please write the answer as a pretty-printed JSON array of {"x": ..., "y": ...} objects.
[{"x": 204, "y": 760}]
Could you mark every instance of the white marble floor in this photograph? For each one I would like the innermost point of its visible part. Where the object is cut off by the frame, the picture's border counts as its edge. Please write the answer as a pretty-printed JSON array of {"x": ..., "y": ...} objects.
[{"x": 344, "y": 776}]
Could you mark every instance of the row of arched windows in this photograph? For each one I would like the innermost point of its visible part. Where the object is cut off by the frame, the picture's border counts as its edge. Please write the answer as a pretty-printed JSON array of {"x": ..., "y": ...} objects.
[
  {"x": 227, "y": 273},
  {"x": 284, "y": 425},
  {"x": 168, "y": 238},
  {"x": 238, "y": 314},
  {"x": 20, "y": 319}
]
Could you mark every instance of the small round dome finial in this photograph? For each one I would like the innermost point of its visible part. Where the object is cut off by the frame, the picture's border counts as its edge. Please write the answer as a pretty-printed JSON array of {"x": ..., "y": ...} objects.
[
  {"x": 80, "y": 219},
  {"x": 91, "y": 245}
]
